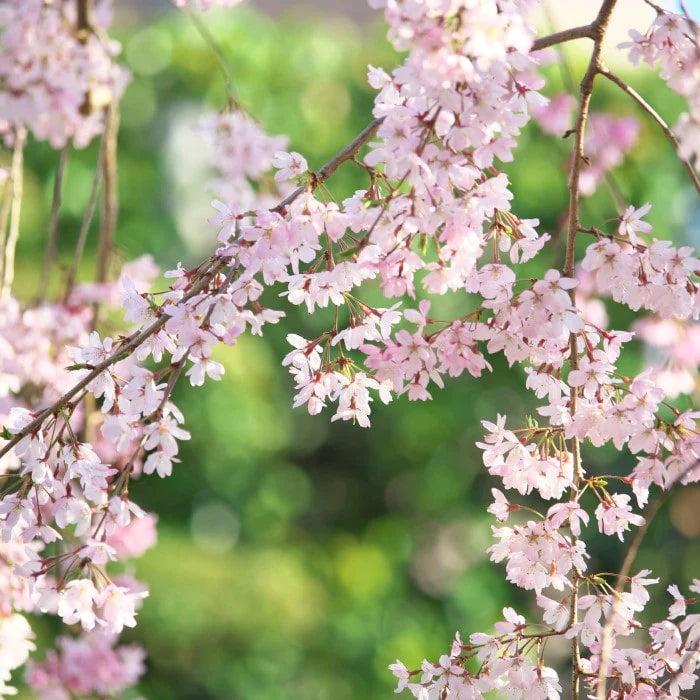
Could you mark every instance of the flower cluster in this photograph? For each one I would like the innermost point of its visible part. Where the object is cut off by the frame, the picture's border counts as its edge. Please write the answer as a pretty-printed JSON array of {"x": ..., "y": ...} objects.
[
  {"x": 88, "y": 665},
  {"x": 662, "y": 669},
  {"x": 657, "y": 277},
  {"x": 243, "y": 154},
  {"x": 672, "y": 43},
  {"x": 57, "y": 78},
  {"x": 46, "y": 532}
]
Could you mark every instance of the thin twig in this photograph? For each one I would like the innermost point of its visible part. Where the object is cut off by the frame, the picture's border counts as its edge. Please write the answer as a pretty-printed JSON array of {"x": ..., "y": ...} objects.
[
  {"x": 349, "y": 152},
  {"x": 655, "y": 116},
  {"x": 52, "y": 238},
  {"x": 216, "y": 265},
  {"x": 84, "y": 230},
  {"x": 660, "y": 10},
  {"x": 584, "y": 32},
  {"x": 214, "y": 45},
  {"x": 595, "y": 31},
  {"x": 622, "y": 577},
  {"x": 84, "y": 19}
]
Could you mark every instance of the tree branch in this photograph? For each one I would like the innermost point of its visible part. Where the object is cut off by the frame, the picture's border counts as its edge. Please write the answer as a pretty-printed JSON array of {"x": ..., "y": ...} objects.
[
  {"x": 84, "y": 19},
  {"x": 622, "y": 576},
  {"x": 349, "y": 152},
  {"x": 129, "y": 345},
  {"x": 125, "y": 349},
  {"x": 655, "y": 116},
  {"x": 84, "y": 230},
  {"x": 587, "y": 31},
  {"x": 596, "y": 30}
]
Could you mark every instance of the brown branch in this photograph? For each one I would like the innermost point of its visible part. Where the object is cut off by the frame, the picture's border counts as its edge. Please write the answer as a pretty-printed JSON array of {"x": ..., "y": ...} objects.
[
  {"x": 52, "y": 239},
  {"x": 655, "y": 116},
  {"x": 596, "y": 31},
  {"x": 82, "y": 236},
  {"x": 130, "y": 344},
  {"x": 622, "y": 577},
  {"x": 349, "y": 152},
  {"x": 125, "y": 349},
  {"x": 587, "y": 31},
  {"x": 84, "y": 23},
  {"x": 660, "y": 10},
  {"x": 599, "y": 28}
]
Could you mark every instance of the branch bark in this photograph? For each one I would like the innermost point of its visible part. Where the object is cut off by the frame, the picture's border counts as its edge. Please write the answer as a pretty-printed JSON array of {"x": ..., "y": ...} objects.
[
  {"x": 84, "y": 19},
  {"x": 349, "y": 152},
  {"x": 137, "y": 339},
  {"x": 596, "y": 30},
  {"x": 587, "y": 31},
  {"x": 655, "y": 116}
]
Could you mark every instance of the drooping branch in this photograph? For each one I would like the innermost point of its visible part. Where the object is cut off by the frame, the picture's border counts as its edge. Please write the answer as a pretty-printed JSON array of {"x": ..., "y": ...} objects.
[
  {"x": 123, "y": 351},
  {"x": 599, "y": 28},
  {"x": 597, "y": 32},
  {"x": 349, "y": 152},
  {"x": 655, "y": 116},
  {"x": 82, "y": 235},
  {"x": 212, "y": 269},
  {"x": 622, "y": 577},
  {"x": 214, "y": 45}
]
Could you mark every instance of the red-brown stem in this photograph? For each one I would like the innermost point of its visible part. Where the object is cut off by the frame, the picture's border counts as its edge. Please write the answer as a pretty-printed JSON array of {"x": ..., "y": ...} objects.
[
  {"x": 597, "y": 33},
  {"x": 584, "y": 32},
  {"x": 655, "y": 116},
  {"x": 349, "y": 152},
  {"x": 84, "y": 18},
  {"x": 218, "y": 264}
]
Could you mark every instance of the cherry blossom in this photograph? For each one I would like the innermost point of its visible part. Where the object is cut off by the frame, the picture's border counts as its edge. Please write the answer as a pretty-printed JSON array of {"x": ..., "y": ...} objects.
[
  {"x": 289, "y": 165},
  {"x": 56, "y": 83}
]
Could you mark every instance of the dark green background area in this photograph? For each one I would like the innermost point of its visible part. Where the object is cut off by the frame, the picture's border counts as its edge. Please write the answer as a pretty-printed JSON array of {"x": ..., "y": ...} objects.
[{"x": 297, "y": 558}]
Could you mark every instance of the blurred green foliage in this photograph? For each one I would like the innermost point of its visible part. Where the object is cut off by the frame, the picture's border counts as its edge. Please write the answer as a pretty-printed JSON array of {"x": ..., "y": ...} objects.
[{"x": 297, "y": 558}]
